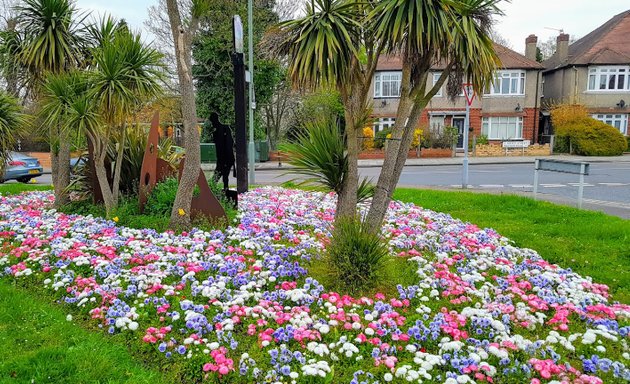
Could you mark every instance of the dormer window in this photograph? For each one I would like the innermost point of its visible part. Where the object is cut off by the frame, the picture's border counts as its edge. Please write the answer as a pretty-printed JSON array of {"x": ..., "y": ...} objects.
[{"x": 609, "y": 78}]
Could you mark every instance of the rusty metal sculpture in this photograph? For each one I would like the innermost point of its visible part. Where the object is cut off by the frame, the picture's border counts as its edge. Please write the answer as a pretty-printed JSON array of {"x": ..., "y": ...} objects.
[
  {"x": 155, "y": 170},
  {"x": 206, "y": 204},
  {"x": 149, "y": 170}
]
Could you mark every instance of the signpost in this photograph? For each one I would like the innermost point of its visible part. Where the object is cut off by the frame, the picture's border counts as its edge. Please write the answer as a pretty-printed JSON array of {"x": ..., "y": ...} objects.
[
  {"x": 469, "y": 92},
  {"x": 239, "y": 107}
]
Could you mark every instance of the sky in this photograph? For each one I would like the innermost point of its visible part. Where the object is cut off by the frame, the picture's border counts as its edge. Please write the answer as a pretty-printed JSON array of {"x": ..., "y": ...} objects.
[{"x": 522, "y": 17}]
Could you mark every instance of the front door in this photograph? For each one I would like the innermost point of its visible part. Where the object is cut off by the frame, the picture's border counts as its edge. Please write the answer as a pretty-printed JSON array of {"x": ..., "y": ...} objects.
[{"x": 458, "y": 122}]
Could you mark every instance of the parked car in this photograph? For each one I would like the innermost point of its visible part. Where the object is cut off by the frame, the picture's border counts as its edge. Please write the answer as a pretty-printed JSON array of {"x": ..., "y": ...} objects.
[{"x": 21, "y": 167}]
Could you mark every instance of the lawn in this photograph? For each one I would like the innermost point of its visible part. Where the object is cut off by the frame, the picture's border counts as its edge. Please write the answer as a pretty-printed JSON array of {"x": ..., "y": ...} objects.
[
  {"x": 591, "y": 243},
  {"x": 241, "y": 305},
  {"x": 39, "y": 345}
]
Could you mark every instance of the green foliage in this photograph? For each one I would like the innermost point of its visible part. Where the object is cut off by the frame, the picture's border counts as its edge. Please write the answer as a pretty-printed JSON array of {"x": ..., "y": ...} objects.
[
  {"x": 319, "y": 154},
  {"x": 321, "y": 102},
  {"x": 160, "y": 201},
  {"x": 444, "y": 138},
  {"x": 162, "y": 197},
  {"x": 381, "y": 138},
  {"x": 212, "y": 55},
  {"x": 38, "y": 345},
  {"x": 589, "y": 137},
  {"x": 51, "y": 37},
  {"x": 628, "y": 142},
  {"x": 12, "y": 124},
  {"x": 356, "y": 257},
  {"x": 590, "y": 243},
  {"x": 482, "y": 140},
  {"x": 322, "y": 44}
]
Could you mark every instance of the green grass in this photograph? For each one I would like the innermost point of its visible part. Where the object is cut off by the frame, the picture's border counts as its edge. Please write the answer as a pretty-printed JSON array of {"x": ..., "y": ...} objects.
[
  {"x": 38, "y": 345},
  {"x": 14, "y": 188},
  {"x": 591, "y": 243}
]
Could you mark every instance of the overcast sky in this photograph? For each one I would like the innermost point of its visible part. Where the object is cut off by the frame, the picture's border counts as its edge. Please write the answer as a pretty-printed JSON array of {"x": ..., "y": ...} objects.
[{"x": 522, "y": 17}]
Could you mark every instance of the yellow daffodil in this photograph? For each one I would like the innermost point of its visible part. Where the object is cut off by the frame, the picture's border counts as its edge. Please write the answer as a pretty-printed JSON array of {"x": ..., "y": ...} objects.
[
  {"x": 115, "y": 219},
  {"x": 181, "y": 212}
]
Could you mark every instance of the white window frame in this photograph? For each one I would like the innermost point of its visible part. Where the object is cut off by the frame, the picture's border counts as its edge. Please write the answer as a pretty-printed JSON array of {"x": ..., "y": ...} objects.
[
  {"x": 617, "y": 120},
  {"x": 381, "y": 123},
  {"x": 600, "y": 78},
  {"x": 490, "y": 126},
  {"x": 437, "y": 122},
  {"x": 508, "y": 83},
  {"x": 393, "y": 83},
  {"x": 436, "y": 78}
]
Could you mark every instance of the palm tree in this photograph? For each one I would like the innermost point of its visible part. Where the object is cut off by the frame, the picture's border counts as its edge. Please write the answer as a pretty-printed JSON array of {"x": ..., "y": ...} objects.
[
  {"x": 51, "y": 43},
  {"x": 12, "y": 121},
  {"x": 453, "y": 33},
  {"x": 126, "y": 74},
  {"x": 334, "y": 44}
]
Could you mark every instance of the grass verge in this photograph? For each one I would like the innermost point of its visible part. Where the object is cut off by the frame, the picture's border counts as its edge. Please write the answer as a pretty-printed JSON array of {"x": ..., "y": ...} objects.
[
  {"x": 38, "y": 345},
  {"x": 591, "y": 243}
]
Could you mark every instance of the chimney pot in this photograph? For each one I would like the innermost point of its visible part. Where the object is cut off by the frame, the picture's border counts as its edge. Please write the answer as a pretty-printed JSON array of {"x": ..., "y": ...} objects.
[
  {"x": 531, "y": 43},
  {"x": 562, "y": 46}
]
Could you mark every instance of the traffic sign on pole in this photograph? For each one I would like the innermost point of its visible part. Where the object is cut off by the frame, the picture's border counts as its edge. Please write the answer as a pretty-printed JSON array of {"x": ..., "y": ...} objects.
[{"x": 469, "y": 92}]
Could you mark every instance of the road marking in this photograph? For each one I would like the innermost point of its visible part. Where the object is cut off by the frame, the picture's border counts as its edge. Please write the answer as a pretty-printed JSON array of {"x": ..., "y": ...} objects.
[
  {"x": 491, "y": 186},
  {"x": 608, "y": 203},
  {"x": 521, "y": 186},
  {"x": 614, "y": 184},
  {"x": 553, "y": 185},
  {"x": 578, "y": 184}
]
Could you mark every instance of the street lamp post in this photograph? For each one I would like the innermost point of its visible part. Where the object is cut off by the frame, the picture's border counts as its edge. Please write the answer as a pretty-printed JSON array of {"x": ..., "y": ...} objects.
[{"x": 469, "y": 92}]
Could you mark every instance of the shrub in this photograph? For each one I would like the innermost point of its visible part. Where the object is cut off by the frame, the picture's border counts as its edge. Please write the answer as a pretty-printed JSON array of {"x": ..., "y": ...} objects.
[
  {"x": 628, "y": 143},
  {"x": 418, "y": 138},
  {"x": 355, "y": 256},
  {"x": 368, "y": 139},
  {"x": 444, "y": 138},
  {"x": 380, "y": 138},
  {"x": 482, "y": 140},
  {"x": 590, "y": 137}
]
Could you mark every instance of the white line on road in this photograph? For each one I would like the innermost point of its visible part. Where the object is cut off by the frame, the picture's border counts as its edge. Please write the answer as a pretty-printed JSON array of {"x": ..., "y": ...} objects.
[
  {"x": 614, "y": 184},
  {"x": 578, "y": 184},
  {"x": 491, "y": 186},
  {"x": 521, "y": 186},
  {"x": 553, "y": 185}
]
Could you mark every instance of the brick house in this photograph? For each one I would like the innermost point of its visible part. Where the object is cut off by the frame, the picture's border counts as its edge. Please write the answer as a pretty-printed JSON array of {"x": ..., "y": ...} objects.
[
  {"x": 508, "y": 110},
  {"x": 594, "y": 71}
]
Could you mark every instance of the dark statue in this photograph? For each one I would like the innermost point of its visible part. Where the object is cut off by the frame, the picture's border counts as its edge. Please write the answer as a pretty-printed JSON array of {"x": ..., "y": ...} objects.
[{"x": 224, "y": 144}]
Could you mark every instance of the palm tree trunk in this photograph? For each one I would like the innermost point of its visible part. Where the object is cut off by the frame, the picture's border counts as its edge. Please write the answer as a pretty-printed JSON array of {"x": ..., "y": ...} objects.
[
  {"x": 347, "y": 198},
  {"x": 119, "y": 160},
  {"x": 60, "y": 164},
  {"x": 100, "y": 153}
]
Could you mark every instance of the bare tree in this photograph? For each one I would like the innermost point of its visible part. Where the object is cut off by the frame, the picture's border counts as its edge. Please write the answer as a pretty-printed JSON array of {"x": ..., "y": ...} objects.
[
  {"x": 183, "y": 31},
  {"x": 548, "y": 47},
  {"x": 287, "y": 9},
  {"x": 499, "y": 38},
  {"x": 159, "y": 25}
]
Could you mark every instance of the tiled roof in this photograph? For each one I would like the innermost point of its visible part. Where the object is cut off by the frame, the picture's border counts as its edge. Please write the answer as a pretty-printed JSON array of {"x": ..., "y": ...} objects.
[
  {"x": 607, "y": 44},
  {"x": 509, "y": 60}
]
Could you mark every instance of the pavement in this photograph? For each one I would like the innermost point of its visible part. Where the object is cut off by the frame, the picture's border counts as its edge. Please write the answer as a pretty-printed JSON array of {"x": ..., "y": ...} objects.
[{"x": 375, "y": 163}]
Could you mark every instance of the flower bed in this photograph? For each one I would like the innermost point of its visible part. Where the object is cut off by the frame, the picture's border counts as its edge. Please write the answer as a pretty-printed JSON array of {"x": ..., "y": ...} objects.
[{"x": 239, "y": 306}]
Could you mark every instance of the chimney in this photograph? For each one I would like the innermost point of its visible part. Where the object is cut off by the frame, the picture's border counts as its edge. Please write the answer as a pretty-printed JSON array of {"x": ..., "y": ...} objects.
[
  {"x": 562, "y": 46},
  {"x": 530, "y": 47}
]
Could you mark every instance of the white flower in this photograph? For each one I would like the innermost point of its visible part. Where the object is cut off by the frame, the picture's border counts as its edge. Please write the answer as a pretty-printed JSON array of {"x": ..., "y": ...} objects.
[
  {"x": 69, "y": 318},
  {"x": 388, "y": 377}
]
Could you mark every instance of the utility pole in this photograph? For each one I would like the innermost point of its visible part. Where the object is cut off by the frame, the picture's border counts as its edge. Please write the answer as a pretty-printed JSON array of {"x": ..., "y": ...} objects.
[{"x": 252, "y": 100}]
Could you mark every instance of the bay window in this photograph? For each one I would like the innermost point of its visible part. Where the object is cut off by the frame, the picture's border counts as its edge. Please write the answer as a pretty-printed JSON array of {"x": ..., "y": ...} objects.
[
  {"x": 609, "y": 78},
  {"x": 502, "y": 128},
  {"x": 619, "y": 121}
]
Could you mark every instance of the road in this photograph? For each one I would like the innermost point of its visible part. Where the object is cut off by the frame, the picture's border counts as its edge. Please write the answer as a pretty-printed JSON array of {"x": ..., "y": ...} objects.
[{"x": 607, "y": 187}]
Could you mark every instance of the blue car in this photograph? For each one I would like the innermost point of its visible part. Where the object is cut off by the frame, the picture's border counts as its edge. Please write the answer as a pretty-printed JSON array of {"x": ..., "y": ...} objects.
[{"x": 21, "y": 167}]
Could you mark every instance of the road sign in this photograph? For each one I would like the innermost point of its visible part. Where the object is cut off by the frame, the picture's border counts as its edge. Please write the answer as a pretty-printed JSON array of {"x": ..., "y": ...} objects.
[{"x": 469, "y": 92}]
